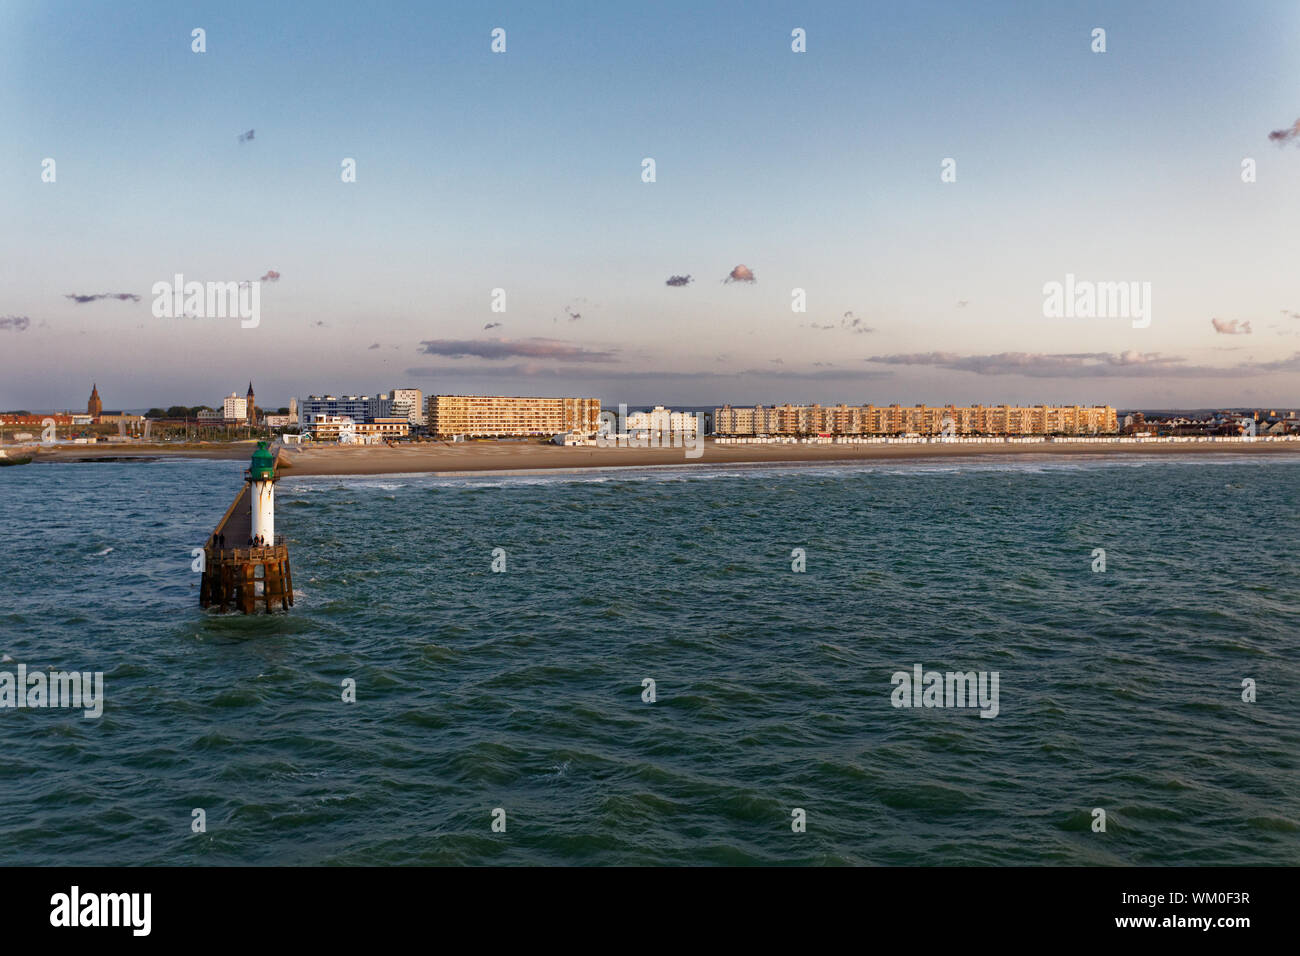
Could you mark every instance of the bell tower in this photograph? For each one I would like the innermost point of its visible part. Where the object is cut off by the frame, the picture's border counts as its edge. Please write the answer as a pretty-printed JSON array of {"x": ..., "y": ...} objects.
[
  {"x": 252, "y": 411},
  {"x": 95, "y": 407}
]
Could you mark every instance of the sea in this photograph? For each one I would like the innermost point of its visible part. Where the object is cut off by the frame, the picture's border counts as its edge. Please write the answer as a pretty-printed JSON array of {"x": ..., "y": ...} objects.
[{"x": 676, "y": 665}]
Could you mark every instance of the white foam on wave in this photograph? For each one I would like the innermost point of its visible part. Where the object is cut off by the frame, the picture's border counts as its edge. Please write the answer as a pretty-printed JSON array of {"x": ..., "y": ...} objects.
[{"x": 704, "y": 471}]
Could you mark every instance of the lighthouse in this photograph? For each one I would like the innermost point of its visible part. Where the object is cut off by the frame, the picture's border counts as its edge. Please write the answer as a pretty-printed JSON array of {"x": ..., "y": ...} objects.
[
  {"x": 261, "y": 479},
  {"x": 230, "y": 568}
]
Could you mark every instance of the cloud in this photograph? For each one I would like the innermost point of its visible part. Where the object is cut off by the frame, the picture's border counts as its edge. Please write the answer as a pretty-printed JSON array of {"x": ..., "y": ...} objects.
[
  {"x": 848, "y": 321},
  {"x": 120, "y": 296},
  {"x": 1291, "y": 364},
  {"x": 1231, "y": 326},
  {"x": 270, "y": 276},
  {"x": 741, "y": 273},
  {"x": 375, "y": 346},
  {"x": 492, "y": 325},
  {"x": 853, "y": 324},
  {"x": 506, "y": 348},
  {"x": 245, "y": 137},
  {"x": 1281, "y": 136},
  {"x": 1084, "y": 365},
  {"x": 1042, "y": 365},
  {"x": 504, "y": 374},
  {"x": 678, "y": 280},
  {"x": 17, "y": 323},
  {"x": 1291, "y": 315},
  {"x": 571, "y": 311}
]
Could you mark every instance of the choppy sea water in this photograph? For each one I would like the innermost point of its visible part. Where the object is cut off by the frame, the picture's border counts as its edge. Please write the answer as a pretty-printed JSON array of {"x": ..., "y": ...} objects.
[{"x": 522, "y": 690}]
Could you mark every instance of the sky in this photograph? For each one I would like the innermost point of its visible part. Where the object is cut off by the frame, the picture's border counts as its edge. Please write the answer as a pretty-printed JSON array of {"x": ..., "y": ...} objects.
[{"x": 522, "y": 171}]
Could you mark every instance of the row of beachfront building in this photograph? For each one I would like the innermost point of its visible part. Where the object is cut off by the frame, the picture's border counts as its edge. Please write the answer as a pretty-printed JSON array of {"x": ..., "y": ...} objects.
[
  {"x": 330, "y": 418},
  {"x": 771, "y": 420}
]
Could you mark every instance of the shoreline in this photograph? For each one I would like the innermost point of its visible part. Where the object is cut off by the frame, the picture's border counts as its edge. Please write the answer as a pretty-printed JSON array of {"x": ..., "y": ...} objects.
[
  {"x": 232, "y": 451},
  {"x": 487, "y": 457}
]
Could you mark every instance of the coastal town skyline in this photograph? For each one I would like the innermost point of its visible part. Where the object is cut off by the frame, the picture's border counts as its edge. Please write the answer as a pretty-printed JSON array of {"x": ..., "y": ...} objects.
[
  {"x": 916, "y": 219},
  {"x": 94, "y": 405}
]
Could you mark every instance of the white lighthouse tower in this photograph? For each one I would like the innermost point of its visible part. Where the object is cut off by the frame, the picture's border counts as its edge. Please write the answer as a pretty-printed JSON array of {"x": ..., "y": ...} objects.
[{"x": 261, "y": 475}]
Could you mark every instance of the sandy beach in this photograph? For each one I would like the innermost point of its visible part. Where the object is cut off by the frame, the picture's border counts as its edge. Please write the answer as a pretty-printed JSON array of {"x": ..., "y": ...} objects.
[
  {"x": 511, "y": 456},
  {"x": 482, "y": 456},
  {"x": 133, "y": 450}
]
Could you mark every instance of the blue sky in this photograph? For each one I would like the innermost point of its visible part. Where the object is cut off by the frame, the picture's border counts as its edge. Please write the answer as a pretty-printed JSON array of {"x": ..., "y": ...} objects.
[{"x": 522, "y": 171}]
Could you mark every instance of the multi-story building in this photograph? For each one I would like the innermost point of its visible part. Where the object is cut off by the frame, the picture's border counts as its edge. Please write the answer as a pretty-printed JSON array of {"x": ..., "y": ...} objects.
[
  {"x": 507, "y": 415},
  {"x": 408, "y": 403},
  {"x": 359, "y": 408},
  {"x": 338, "y": 428},
  {"x": 384, "y": 428},
  {"x": 234, "y": 408},
  {"x": 661, "y": 420},
  {"x": 915, "y": 419}
]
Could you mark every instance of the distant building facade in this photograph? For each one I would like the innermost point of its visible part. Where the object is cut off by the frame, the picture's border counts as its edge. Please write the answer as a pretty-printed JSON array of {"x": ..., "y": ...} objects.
[
  {"x": 661, "y": 420},
  {"x": 234, "y": 408},
  {"x": 408, "y": 403},
  {"x": 915, "y": 419},
  {"x": 359, "y": 408},
  {"x": 510, "y": 415},
  {"x": 338, "y": 428},
  {"x": 384, "y": 428},
  {"x": 39, "y": 420},
  {"x": 94, "y": 407},
  {"x": 118, "y": 418}
]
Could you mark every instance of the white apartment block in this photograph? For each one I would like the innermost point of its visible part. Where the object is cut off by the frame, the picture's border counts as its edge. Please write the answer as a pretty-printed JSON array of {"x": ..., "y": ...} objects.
[
  {"x": 661, "y": 420},
  {"x": 234, "y": 408}
]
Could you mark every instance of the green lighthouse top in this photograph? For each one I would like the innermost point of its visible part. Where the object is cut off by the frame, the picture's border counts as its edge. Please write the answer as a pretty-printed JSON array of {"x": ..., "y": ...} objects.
[{"x": 263, "y": 465}]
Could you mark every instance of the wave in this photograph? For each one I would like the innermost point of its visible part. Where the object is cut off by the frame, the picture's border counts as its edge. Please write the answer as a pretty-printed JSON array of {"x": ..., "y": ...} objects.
[{"x": 704, "y": 471}]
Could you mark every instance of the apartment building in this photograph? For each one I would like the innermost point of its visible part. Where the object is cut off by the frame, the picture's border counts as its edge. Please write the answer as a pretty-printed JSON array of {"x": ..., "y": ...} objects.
[
  {"x": 360, "y": 408},
  {"x": 234, "y": 408},
  {"x": 337, "y": 428},
  {"x": 383, "y": 428},
  {"x": 408, "y": 403},
  {"x": 661, "y": 420},
  {"x": 915, "y": 419},
  {"x": 510, "y": 415}
]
